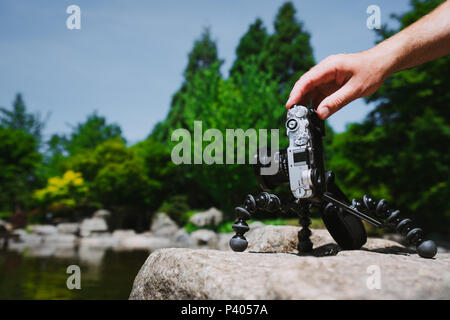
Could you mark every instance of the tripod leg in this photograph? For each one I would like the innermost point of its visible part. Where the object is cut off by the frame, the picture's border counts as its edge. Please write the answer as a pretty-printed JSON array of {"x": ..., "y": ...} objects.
[
  {"x": 265, "y": 201},
  {"x": 304, "y": 242},
  {"x": 404, "y": 226}
]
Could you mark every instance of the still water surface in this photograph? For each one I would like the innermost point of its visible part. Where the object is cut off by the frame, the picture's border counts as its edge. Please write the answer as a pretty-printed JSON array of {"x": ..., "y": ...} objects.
[{"x": 29, "y": 277}]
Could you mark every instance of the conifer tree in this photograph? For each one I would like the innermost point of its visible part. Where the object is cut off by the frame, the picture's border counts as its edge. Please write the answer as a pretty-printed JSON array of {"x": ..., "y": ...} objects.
[
  {"x": 251, "y": 48},
  {"x": 289, "y": 53}
]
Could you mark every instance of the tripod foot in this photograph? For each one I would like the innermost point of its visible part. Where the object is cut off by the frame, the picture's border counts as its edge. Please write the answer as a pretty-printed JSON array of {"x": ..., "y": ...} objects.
[
  {"x": 238, "y": 243},
  {"x": 427, "y": 249}
]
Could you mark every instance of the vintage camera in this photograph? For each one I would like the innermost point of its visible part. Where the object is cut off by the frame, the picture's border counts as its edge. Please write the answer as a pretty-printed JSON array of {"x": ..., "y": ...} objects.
[{"x": 302, "y": 163}]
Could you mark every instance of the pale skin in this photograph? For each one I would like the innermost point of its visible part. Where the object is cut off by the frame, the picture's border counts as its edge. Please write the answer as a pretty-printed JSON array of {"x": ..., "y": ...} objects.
[{"x": 339, "y": 79}]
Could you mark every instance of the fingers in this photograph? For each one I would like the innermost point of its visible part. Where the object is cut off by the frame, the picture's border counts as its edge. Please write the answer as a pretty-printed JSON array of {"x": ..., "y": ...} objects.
[
  {"x": 322, "y": 73},
  {"x": 346, "y": 94}
]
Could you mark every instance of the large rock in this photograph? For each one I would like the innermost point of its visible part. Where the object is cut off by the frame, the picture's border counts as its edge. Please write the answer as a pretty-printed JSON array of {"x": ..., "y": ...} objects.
[
  {"x": 121, "y": 234},
  {"x": 284, "y": 239},
  {"x": 102, "y": 213},
  {"x": 43, "y": 229},
  {"x": 210, "y": 217},
  {"x": 223, "y": 242},
  {"x": 61, "y": 240},
  {"x": 68, "y": 228},
  {"x": 25, "y": 240},
  {"x": 163, "y": 226},
  {"x": 324, "y": 274},
  {"x": 143, "y": 242},
  {"x": 183, "y": 239},
  {"x": 102, "y": 241},
  {"x": 205, "y": 237},
  {"x": 92, "y": 226},
  {"x": 256, "y": 225},
  {"x": 6, "y": 225}
]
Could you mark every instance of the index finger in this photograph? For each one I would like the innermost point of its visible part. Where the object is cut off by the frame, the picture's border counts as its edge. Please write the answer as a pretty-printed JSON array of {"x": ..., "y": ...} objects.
[{"x": 322, "y": 73}]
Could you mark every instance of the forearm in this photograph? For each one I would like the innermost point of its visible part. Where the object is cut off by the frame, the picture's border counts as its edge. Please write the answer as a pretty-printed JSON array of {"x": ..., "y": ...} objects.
[{"x": 422, "y": 41}]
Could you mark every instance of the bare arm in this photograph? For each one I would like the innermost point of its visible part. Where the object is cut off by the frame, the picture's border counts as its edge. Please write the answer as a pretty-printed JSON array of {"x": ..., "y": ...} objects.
[{"x": 342, "y": 78}]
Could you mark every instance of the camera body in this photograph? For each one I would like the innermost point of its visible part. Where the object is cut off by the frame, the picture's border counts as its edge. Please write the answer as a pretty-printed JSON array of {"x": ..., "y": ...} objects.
[
  {"x": 301, "y": 163},
  {"x": 305, "y": 154}
]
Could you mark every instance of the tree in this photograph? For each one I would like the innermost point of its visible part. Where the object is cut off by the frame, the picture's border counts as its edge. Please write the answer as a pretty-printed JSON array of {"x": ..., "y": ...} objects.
[
  {"x": 85, "y": 136},
  {"x": 115, "y": 175},
  {"x": 251, "y": 48},
  {"x": 202, "y": 56},
  {"x": 91, "y": 133},
  {"x": 400, "y": 151},
  {"x": 18, "y": 161},
  {"x": 289, "y": 53},
  {"x": 286, "y": 54},
  {"x": 63, "y": 196},
  {"x": 19, "y": 119},
  {"x": 251, "y": 98}
]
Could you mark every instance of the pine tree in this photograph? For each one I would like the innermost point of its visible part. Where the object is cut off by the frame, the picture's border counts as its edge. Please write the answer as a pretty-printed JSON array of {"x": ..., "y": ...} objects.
[
  {"x": 251, "y": 48},
  {"x": 19, "y": 119},
  {"x": 202, "y": 56},
  {"x": 289, "y": 53},
  {"x": 286, "y": 54}
]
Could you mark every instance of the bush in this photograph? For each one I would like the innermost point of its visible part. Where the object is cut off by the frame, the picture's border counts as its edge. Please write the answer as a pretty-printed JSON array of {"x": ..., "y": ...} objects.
[
  {"x": 177, "y": 208},
  {"x": 63, "y": 195}
]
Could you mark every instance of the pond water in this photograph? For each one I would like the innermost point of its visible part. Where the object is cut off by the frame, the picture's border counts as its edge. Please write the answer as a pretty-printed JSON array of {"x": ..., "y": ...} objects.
[{"x": 109, "y": 276}]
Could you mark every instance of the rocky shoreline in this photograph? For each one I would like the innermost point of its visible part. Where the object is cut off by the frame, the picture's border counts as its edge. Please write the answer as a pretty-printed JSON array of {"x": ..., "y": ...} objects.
[
  {"x": 271, "y": 268},
  {"x": 90, "y": 237}
]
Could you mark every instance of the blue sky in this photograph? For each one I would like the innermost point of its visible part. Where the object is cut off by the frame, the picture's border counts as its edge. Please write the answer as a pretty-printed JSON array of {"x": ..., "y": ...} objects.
[{"x": 128, "y": 58}]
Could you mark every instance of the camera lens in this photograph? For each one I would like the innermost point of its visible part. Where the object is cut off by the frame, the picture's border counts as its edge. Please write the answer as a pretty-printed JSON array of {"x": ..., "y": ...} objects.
[{"x": 281, "y": 173}]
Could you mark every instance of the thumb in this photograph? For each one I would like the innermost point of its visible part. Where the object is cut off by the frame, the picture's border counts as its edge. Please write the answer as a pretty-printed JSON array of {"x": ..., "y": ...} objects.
[{"x": 346, "y": 94}]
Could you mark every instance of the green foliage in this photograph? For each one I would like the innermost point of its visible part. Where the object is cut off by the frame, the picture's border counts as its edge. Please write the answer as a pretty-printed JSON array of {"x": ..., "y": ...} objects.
[
  {"x": 289, "y": 51},
  {"x": 250, "y": 98},
  {"x": 250, "y": 48},
  {"x": 63, "y": 195},
  {"x": 115, "y": 175},
  {"x": 19, "y": 119},
  {"x": 202, "y": 56},
  {"x": 286, "y": 54},
  {"x": 18, "y": 161},
  {"x": 177, "y": 208},
  {"x": 86, "y": 135},
  {"x": 216, "y": 102}
]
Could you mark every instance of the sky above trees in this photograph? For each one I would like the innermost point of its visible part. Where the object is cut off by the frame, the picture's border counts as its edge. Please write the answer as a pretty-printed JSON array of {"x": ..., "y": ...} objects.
[{"x": 128, "y": 59}]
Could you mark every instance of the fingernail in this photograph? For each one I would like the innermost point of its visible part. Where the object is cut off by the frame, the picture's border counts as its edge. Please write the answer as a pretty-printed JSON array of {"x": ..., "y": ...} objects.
[{"x": 324, "y": 112}]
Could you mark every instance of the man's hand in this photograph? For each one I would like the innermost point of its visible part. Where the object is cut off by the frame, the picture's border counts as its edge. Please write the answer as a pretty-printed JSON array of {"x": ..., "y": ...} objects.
[
  {"x": 342, "y": 78},
  {"x": 338, "y": 80}
]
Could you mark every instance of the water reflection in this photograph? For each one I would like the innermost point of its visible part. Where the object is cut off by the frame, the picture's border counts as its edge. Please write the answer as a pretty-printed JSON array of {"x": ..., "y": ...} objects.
[{"x": 40, "y": 272}]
